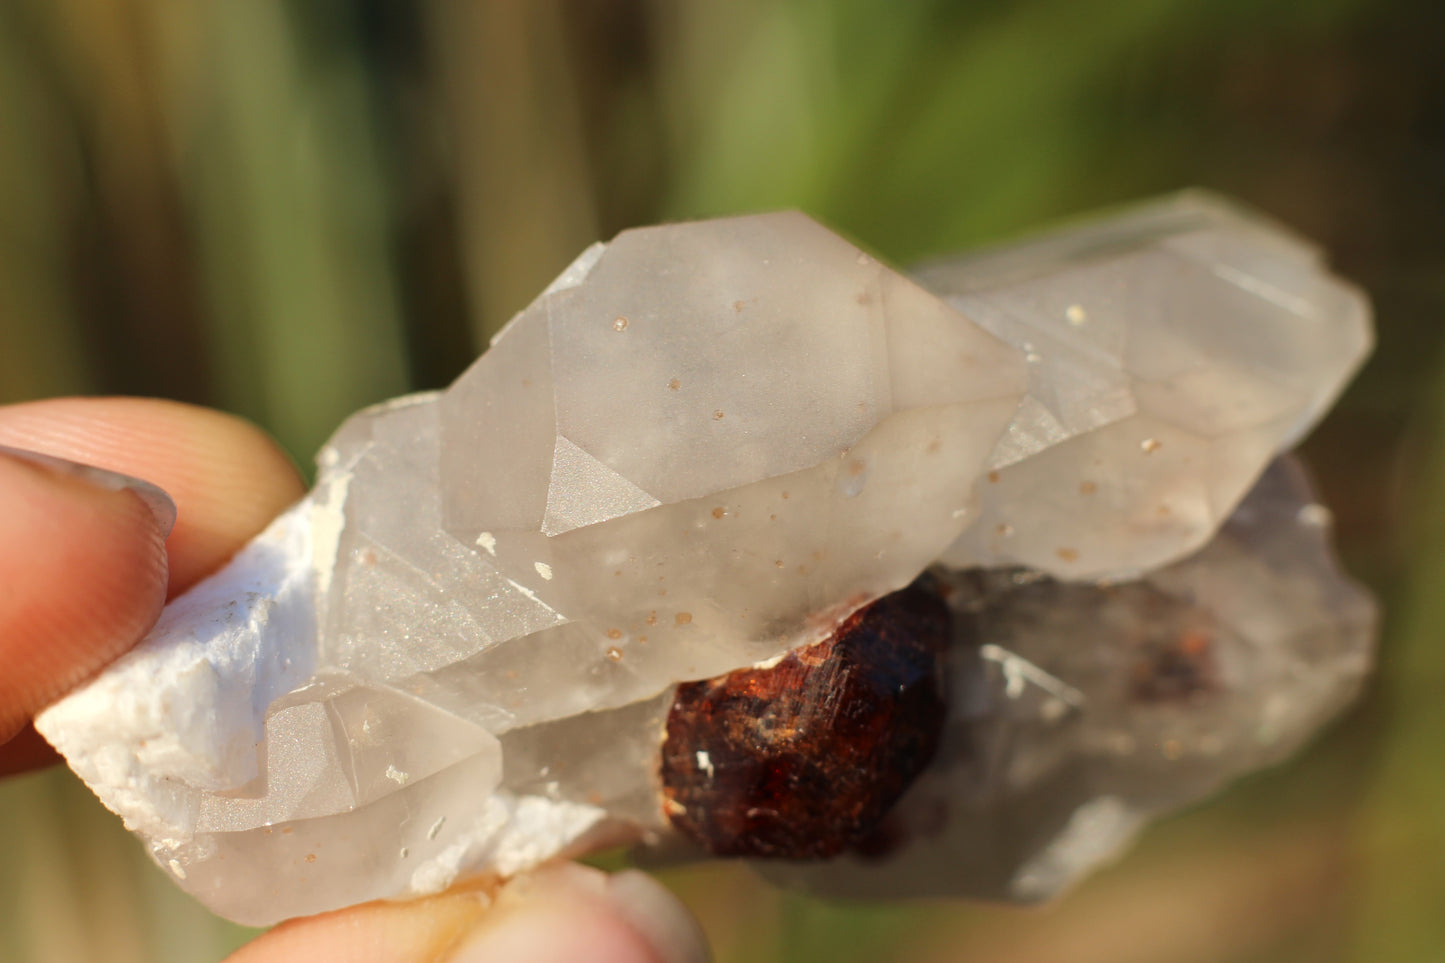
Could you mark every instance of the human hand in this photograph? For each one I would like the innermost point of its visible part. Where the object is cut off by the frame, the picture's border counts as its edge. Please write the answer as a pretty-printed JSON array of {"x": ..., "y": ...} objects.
[{"x": 88, "y": 558}]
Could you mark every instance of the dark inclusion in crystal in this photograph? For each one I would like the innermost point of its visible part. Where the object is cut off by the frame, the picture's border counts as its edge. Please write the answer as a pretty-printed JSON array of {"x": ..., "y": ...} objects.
[
  {"x": 801, "y": 760},
  {"x": 1178, "y": 669}
]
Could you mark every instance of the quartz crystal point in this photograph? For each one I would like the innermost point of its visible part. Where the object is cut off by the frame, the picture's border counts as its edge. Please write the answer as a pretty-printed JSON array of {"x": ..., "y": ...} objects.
[
  {"x": 702, "y": 447},
  {"x": 1172, "y": 351}
]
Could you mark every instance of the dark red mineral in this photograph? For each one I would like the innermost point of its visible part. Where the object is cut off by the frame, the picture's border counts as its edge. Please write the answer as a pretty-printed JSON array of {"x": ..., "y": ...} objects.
[{"x": 801, "y": 760}]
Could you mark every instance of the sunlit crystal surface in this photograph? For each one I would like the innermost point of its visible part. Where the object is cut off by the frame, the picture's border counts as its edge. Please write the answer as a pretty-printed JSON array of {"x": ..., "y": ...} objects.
[
  {"x": 699, "y": 447},
  {"x": 1172, "y": 351},
  {"x": 703, "y": 446}
]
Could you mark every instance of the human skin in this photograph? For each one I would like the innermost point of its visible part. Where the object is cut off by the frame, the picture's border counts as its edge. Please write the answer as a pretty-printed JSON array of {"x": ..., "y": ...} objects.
[{"x": 87, "y": 560}]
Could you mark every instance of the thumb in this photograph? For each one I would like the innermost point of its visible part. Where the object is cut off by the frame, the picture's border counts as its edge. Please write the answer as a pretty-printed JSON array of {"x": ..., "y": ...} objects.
[
  {"x": 82, "y": 574},
  {"x": 558, "y": 914}
]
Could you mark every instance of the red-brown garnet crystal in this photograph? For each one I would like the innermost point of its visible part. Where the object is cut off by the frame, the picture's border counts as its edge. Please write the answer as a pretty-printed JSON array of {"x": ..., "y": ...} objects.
[{"x": 802, "y": 759}]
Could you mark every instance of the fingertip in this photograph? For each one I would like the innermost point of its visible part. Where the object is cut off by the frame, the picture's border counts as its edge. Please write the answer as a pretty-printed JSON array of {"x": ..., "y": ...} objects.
[
  {"x": 655, "y": 912},
  {"x": 565, "y": 911},
  {"x": 559, "y": 913},
  {"x": 82, "y": 578},
  {"x": 422, "y": 931},
  {"x": 560, "y": 932},
  {"x": 228, "y": 478}
]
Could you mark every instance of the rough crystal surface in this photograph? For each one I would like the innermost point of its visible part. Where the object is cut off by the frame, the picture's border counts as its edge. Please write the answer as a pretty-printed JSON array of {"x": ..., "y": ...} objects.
[
  {"x": 701, "y": 448},
  {"x": 1082, "y": 709},
  {"x": 801, "y": 759}
]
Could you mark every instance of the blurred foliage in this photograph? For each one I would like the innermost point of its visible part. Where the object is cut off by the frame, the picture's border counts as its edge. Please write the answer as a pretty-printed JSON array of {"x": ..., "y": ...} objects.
[{"x": 292, "y": 209}]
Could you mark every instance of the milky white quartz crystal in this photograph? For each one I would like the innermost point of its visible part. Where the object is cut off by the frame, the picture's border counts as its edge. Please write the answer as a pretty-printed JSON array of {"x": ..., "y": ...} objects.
[{"x": 701, "y": 446}]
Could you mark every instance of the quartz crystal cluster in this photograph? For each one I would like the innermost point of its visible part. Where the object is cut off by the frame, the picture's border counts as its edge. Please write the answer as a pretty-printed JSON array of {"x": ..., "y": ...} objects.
[{"x": 703, "y": 448}]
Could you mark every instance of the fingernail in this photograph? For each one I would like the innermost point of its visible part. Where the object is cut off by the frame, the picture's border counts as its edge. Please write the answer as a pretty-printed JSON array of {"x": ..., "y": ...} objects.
[
  {"x": 572, "y": 913},
  {"x": 161, "y": 505}
]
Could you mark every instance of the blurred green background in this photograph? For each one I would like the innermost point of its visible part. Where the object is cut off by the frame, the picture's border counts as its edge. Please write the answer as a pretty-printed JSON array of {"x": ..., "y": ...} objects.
[{"x": 292, "y": 209}]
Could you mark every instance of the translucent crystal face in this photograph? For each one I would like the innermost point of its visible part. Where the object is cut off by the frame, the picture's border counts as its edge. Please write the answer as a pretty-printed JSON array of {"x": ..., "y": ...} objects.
[
  {"x": 706, "y": 424},
  {"x": 1172, "y": 351},
  {"x": 703, "y": 446}
]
